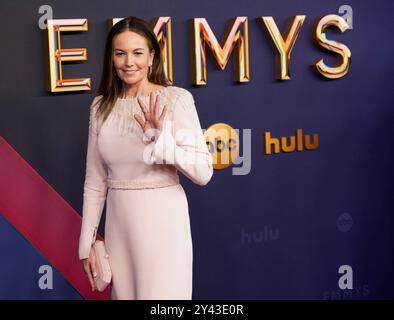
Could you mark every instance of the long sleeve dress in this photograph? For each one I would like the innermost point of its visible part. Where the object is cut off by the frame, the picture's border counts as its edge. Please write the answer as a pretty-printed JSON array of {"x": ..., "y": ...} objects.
[{"x": 147, "y": 228}]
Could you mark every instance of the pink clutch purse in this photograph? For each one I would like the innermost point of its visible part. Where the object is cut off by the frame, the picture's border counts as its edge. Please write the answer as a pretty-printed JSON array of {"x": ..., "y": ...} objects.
[{"x": 104, "y": 274}]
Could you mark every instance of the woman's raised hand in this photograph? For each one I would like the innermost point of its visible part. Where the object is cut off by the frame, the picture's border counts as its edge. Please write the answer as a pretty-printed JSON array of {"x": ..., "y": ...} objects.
[{"x": 152, "y": 119}]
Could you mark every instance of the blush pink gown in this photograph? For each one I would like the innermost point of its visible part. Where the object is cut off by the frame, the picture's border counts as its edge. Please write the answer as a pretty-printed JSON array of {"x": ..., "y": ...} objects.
[{"x": 147, "y": 229}]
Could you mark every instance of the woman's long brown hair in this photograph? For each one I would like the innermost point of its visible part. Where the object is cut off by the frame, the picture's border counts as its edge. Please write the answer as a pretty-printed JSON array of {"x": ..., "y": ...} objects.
[{"x": 110, "y": 85}]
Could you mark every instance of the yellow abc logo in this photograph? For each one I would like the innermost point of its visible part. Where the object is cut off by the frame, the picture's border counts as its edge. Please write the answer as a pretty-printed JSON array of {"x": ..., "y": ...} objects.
[{"x": 223, "y": 144}]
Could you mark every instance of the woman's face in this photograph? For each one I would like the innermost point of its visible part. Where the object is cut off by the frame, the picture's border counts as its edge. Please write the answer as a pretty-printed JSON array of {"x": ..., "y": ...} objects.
[{"x": 131, "y": 57}]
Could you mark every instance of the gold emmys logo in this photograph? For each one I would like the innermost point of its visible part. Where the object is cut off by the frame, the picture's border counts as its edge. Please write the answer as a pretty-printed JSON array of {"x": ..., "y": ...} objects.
[{"x": 202, "y": 38}]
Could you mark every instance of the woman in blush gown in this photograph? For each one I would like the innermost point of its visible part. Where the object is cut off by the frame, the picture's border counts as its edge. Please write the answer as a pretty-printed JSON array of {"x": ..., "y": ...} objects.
[{"x": 142, "y": 131}]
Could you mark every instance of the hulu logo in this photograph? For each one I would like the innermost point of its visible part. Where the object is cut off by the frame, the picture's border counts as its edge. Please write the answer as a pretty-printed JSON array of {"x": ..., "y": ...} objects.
[
  {"x": 297, "y": 142},
  {"x": 267, "y": 234}
]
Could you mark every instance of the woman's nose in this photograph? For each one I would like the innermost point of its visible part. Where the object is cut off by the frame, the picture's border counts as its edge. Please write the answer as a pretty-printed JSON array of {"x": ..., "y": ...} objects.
[{"x": 129, "y": 60}]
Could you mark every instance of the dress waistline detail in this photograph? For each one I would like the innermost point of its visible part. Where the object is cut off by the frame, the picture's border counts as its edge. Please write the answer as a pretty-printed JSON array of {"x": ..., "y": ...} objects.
[{"x": 143, "y": 184}]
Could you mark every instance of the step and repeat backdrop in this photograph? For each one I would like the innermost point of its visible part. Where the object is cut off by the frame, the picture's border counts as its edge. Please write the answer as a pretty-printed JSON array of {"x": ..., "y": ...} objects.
[{"x": 300, "y": 205}]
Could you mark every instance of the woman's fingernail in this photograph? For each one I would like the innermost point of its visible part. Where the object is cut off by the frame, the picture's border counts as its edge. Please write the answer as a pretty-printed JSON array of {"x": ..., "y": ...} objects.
[{"x": 94, "y": 274}]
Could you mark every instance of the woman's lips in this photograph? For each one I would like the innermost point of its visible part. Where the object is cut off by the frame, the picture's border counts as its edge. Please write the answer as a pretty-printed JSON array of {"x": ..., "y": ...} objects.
[{"x": 130, "y": 71}]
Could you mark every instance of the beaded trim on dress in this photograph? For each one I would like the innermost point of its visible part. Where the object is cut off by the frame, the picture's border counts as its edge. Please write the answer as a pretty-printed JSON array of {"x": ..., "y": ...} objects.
[
  {"x": 143, "y": 184},
  {"x": 122, "y": 115},
  {"x": 159, "y": 91}
]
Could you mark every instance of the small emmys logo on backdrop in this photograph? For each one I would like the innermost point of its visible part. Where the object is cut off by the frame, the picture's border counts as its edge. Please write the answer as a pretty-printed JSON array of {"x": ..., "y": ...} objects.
[
  {"x": 266, "y": 234},
  {"x": 223, "y": 144},
  {"x": 344, "y": 222},
  {"x": 46, "y": 281},
  {"x": 359, "y": 292},
  {"x": 297, "y": 142}
]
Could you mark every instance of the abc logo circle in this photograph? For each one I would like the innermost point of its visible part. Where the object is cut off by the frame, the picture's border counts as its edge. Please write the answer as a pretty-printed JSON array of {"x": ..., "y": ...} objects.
[{"x": 223, "y": 144}]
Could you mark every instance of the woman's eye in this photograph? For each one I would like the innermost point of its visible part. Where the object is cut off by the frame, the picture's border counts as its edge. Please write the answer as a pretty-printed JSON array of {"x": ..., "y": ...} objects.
[{"x": 121, "y": 53}]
